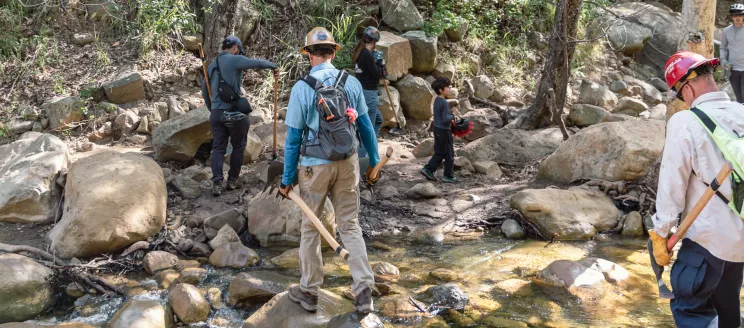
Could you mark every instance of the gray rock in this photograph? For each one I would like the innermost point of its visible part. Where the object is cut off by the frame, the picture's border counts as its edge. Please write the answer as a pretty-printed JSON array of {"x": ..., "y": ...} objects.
[
  {"x": 126, "y": 122},
  {"x": 596, "y": 94},
  {"x": 385, "y": 272},
  {"x": 567, "y": 274},
  {"x": 630, "y": 106},
  {"x": 178, "y": 138},
  {"x": 141, "y": 313},
  {"x": 485, "y": 122},
  {"x": 16, "y": 126},
  {"x": 201, "y": 250},
  {"x": 424, "y": 149},
  {"x": 191, "y": 42},
  {"x": 397, "y": 53},
  {"x": 387, "y": 192},
  {"x": 37, "y": 127},
  {"x": 188, "y": 188},
  {"x": 256, "y": 287},
  {"x": 615, "y": 76},
  {"x": 513, "y": 146},
  {"x": 233, "y": 255},
  {"x": 488, "y": 168},
  {"x": 444, "y": 70},
  {"x": 628, "y": 37},
  {"x": 483, "y": 86},
  {"x": 189, "y": 304},
  {"x": 158, "y": 260},
  {"x": 355, "y": 320},
  {"x": 659, "y": 84},
  {"x": 63, "y": 110},
  {"x": 463, "y": 163},
  {"x": 449, "y": 295},
  {"x": 612, "y": 272},
  {"x": 633, "y": 225},
  {"x": 126, "y": 87},
  {"x": 424, "y": 51},
  {"x": 280, "y": 311},
  {"x": 144, "y": 126},
  {"x": 82, "y": 39},
  {"x": 226, "y": 235},
  {"x": 197, "y": 173},
  {"x": 424, "y": 190},
  {"x": 512, "y": 229},
  {"x": 29, "y": 168},
  {"x": 231, "y": 217},
  {"x": 25, "y": 289},
  {"x": 416, "y": 98},
  {"x": 583, "y": 115},
  {"x": 658, "y": 112},
  {"x": 620, "y": 87},
  {"x": 401, "y": 15},
  {"x": 650, "y": 94},
  {"x": 457, "y": 34}
]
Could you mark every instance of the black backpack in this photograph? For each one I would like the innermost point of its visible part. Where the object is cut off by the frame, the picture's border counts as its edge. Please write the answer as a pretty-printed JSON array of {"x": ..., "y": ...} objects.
[
  {"x": 228, "y": 95},
  {"x": 336, "y": 138}
]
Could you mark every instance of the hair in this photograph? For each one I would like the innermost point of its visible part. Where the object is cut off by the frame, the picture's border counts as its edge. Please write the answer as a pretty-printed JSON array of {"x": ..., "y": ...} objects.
[
  {"x": 359, "y": 47},
  {"x": 440, "y": 83},
  {"x": 321, "y": 50},
  {"x": 226, "y": 46}
]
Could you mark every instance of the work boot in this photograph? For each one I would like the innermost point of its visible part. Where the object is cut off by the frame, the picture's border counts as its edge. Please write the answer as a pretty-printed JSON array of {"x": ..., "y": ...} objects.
[
  {"x": 217, "y": 188},
  {"x": 308, "y": 301},
  {"x": 447, "y": 179},
  {"x": 233, "y": 184},
  {"x": 427, "y": 174},
  {"x": 363, "y": 303}
]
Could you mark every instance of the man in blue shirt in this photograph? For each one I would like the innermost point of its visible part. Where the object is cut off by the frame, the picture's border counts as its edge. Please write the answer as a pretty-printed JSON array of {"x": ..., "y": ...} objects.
[
  {"x": 319, "y": 177},
  {"x": 232, "y": 63}
]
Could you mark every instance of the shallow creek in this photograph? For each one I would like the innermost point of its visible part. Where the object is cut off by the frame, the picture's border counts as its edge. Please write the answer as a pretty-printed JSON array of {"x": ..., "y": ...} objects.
[{"x": 479, "y": 266}]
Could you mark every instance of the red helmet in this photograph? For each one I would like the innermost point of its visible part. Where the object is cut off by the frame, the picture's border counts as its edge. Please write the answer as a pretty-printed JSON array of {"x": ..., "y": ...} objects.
[{"x": 682, "y": 64}]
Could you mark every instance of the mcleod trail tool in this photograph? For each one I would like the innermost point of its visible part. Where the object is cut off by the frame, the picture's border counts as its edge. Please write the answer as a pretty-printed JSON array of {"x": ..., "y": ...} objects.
[
  {"x": 376, "y": 170},
  {"x": 323, "y": 231},
  {"x": 664, "y": 291},
  {"x": 204, "y": 68},
  {"x": 276, "y": 167},
  {"x": 397, "y": 130}
]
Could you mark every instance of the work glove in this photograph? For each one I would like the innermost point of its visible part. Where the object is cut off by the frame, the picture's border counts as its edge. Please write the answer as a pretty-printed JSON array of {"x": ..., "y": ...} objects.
[
  {"x": 659, "y": 245},
  {"x": 284, "y": 190},
  {"x": 352, "y": 114},
  {"x": 370, "y": 179}
]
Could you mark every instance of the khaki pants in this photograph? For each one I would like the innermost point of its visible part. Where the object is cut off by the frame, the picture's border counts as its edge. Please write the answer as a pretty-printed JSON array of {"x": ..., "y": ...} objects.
[{"x": 341, "y": 179}]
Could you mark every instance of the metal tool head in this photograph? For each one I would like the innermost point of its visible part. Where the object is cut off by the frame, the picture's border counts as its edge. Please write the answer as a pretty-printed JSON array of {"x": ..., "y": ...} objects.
[
  {"x": 664, "y": 291},
  {"x": 273, "y": 174},
  {"x": 397, "y": 131}
]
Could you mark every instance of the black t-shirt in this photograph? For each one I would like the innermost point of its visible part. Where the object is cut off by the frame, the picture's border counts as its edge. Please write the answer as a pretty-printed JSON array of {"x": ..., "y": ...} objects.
[{"x": 367, "y": 70}]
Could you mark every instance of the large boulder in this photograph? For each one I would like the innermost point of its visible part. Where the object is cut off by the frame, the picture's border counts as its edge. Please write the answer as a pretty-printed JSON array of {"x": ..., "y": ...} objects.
[
  {"x": 583, "y": 115},
  {"x": 231, "y": 217},
  {"x": 401, "y": 15},
  {"x": 233, "y": 255},
  {"x": 613, "y": 151},
  {"x": 103, "y": 213},
  {"x": 142, "y": 313},
  {"x": 265, "y": 132},
  {"x": 253, "y": 148},
  {"x": 246, "y": 20},
  {"x": 568, "y": 274},
  {"x": 596, "y": 94},
  {"x": 29, "y": 168},
  {"x": 628, "y": 37},
  {"x": 444, "y": 70},
  {"x": 126, "y": 87},
  {"x": 630, "y": 106},
  {"x": 256, "y": 287},
  {"x": 650, "y": 94},
  {"x": 485, "y": 122},
  {"x": 397, "y": 53},
  {"x": 63, "y": 110},
  {"x": 188, "y": 304},
  {"x": 513, "y": 146},
  {"x": 388, "y": 108},
  {"x": 660, "y": 45},
  {"x": 26, "y": 288},
  {"x": 424, "y": 51},
  {"x": 178, "y": 139},
  {"x": 281, "y": 312},
  {"x": 573, "y": 214},
  {"x": 416, "y": 98},
  {"x": 278, "y": 223},
  {"x": 448, "y": 295},
  {"x": 483, "y": 87}
]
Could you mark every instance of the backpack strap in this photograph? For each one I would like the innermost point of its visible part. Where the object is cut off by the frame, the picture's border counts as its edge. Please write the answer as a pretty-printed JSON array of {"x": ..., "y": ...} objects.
[
  {"x": 312, "y": 82},
  {"x": 707, "y": 121},
  {"x": 341, "y": 78}
]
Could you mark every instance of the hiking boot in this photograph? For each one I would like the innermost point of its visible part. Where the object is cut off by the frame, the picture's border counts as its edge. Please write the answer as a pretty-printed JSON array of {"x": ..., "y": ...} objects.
[
  {"x": 427, "y": 174},
  {"x": 217, "y": 188},
  {"x": 233, "y": 184},
  {"x": 363, "y": 303},
  {"x": 308, "y": 301},
  {"x": 449, "y": 179}
]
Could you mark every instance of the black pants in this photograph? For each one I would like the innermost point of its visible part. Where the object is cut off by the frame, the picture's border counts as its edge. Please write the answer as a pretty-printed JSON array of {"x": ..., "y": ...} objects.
[
  {"x": 238, "y": 137},
  {"x": 443, "y": 150},
  {"x": 737, "y": 83},
  {"x": 705, "y": 287}
]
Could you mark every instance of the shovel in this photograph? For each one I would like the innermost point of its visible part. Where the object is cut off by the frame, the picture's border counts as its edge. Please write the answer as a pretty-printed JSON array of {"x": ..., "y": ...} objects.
[
  {"x": 276, "y": 167},
  {"x": 397, "y": 130},
  {"x": 664, "y": 291}
]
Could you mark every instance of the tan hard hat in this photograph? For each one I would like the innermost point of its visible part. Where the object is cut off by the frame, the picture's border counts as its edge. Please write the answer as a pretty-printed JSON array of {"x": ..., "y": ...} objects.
[{"x": 319, "y": 35}]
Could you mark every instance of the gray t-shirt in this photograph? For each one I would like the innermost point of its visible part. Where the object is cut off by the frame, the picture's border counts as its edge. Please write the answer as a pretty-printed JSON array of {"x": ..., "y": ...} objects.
[{"x": 732, "y": 47}]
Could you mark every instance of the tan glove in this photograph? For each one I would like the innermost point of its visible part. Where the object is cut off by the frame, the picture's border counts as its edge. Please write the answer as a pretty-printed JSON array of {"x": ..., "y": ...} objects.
[
  {"x": 659, "y": 245},
  {"x": 284, "y": 190},
  {"x": 370, "y": 179}
]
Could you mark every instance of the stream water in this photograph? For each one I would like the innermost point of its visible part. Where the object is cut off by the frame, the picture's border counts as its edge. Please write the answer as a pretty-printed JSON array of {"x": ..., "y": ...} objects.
[{"x": 479, "y": 264}]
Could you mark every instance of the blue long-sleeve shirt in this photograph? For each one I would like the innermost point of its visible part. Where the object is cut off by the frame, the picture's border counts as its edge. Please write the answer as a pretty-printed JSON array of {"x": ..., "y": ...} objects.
[
  {"x": 231, "y": 68},
  {"x": 301, "y": 114}
]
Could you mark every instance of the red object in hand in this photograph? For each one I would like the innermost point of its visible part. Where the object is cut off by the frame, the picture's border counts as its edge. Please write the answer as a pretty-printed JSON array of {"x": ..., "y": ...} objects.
[
  {"x": 352, "y": 114},
  {"x": 461, "y": 128}
]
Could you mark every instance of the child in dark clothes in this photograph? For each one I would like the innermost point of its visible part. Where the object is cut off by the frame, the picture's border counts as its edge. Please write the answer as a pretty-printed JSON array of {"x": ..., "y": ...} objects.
[{"x": 443, "y": 140}]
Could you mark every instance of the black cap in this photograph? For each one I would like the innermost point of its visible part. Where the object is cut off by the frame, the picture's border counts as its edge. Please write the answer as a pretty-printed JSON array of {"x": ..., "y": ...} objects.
[{"x": 233, "y": 41}]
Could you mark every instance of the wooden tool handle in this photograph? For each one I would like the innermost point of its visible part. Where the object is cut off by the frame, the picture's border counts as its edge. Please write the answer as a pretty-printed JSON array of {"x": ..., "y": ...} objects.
[
  {"x": 709, "y": 192},
  {"x": 390, "y": 100},
  {"x": 318, "y": 225},
  {"x": 204, "y": 68},
  {"x": 383, "y": 161},
  {"x": 276, "y": 110}
]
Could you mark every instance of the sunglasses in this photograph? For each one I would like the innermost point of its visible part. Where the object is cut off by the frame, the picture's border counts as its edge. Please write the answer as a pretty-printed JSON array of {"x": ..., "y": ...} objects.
[{"x": 737, "y": 15}]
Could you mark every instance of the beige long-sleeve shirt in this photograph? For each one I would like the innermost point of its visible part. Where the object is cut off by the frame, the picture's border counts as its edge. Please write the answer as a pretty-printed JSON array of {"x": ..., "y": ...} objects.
[{"x": 689, "y": 148}]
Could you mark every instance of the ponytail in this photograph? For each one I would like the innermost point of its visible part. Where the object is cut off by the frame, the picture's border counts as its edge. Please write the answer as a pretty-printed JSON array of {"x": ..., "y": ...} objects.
[{"x": 357, "y": 51}]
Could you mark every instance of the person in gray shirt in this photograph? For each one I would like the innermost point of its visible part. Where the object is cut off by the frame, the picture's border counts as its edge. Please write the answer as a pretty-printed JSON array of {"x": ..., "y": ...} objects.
[
  {"x": 443, "y": 140},
  {"x": 732, "y": 50}
]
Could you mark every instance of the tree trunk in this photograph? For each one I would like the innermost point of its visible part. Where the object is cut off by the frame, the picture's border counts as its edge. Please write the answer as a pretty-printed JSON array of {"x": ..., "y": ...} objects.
[
  {"x": 556, "y": 72},
  {"x": 219, "y": 22},
  {"x": 700, "y": 16}
]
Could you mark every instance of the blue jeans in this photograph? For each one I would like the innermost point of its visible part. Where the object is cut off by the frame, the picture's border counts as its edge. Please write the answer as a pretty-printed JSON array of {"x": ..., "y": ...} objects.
[{"x": 372, "y": 101}]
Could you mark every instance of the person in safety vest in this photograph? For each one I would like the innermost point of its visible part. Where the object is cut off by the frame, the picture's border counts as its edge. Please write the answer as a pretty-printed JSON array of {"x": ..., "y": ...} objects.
[{"x": 707, "y": 275}]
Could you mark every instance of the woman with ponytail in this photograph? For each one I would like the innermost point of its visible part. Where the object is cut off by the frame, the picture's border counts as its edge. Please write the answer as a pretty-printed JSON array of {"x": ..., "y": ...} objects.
[{"x": 369, "y": 67}]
